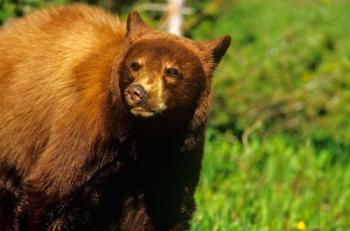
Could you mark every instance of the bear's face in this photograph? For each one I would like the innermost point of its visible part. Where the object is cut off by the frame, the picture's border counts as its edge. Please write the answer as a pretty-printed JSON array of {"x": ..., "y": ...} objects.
[
  {"x": 160, "y": 75},
  {"x": 163, "y": 73}
]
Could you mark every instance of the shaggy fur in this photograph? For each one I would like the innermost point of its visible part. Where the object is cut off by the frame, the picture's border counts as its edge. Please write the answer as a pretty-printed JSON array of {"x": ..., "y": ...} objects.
[{"x": 72, "y": 155}]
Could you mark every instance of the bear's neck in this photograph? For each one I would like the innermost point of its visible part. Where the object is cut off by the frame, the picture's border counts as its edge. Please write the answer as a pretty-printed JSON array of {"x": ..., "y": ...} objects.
[
  {"x": 162, "y": 125},
  {"x": 162, "y": 136}
]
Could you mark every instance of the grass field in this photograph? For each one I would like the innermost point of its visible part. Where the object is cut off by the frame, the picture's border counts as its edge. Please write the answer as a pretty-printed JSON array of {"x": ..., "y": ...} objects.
[
  {"x": 276, "y": 183},
  {"x": 284, "y": 53}
]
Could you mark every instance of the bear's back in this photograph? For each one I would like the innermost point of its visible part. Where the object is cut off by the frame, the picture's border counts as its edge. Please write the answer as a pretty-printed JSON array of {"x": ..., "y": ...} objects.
[{"x": 54, "y": 70}]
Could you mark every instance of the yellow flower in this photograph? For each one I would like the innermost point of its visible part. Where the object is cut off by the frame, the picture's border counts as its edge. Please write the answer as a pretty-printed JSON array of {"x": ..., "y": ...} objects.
[
  {"x": 300, "y": 226},
  {"x": 306, "y": 76}
]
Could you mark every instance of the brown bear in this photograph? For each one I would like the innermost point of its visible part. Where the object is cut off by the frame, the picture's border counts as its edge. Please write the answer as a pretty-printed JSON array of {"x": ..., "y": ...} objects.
[{"x": 102, "y": 122}]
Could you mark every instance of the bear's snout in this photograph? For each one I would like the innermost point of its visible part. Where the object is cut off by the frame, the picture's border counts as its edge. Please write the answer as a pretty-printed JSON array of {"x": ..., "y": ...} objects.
[{"x": 135, "y": 94}]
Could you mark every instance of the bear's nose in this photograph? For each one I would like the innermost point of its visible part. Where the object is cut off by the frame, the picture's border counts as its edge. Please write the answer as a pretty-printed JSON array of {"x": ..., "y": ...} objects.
[{"x": 135, "y": 93}]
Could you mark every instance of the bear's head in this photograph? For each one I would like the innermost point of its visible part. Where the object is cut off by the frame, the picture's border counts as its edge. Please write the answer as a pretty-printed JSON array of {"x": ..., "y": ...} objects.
[{"x": 165, "y": 74}]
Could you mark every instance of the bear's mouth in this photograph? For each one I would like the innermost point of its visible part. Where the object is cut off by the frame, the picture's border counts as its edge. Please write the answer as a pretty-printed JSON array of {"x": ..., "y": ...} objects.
[{"x": 142, "y": 112}]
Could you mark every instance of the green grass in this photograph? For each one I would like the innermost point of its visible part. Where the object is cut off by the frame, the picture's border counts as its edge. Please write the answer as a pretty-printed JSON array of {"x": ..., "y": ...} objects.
[
  {"x": 285, "y": 83},
  {"x": 273, "y": 183}
]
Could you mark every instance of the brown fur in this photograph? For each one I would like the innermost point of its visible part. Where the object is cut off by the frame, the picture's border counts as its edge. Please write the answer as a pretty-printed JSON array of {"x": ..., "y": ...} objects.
[{"x": 85, "y": 161}]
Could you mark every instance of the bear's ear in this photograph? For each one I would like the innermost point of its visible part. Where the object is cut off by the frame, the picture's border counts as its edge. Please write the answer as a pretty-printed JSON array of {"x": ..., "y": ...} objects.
[
  {"x": 135, "y": 25},
  {"x": 216, "y": 48}
]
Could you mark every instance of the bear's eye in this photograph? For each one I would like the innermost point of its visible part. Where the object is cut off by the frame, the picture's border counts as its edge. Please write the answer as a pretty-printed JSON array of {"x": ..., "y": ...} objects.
[
  {"x": 172, "y": 72},
  {"x": 135, "y": 66}
]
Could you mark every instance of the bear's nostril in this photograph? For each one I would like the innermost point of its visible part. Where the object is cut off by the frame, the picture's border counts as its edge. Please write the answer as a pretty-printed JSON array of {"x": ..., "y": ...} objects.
[{"x": 136, "y": 93}]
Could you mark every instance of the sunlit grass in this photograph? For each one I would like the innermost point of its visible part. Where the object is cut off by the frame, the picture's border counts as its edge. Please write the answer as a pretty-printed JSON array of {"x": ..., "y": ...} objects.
[
  {"x": 279, "y": 182},
  {"x": 276, "y": 183}
]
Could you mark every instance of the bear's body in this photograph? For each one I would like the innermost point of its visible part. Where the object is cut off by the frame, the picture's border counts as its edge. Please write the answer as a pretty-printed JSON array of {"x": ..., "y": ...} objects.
[{"x": 80, "y": 148}]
